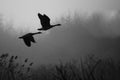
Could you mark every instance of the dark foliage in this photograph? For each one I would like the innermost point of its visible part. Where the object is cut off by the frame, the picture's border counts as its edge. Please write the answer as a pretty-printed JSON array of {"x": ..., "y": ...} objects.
[
  {"x": 11, "y": 69},
  {"x": 90, "y": 68}
]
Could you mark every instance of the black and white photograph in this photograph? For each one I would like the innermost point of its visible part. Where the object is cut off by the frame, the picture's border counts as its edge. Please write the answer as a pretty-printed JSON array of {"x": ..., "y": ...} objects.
[{"x": 59, "y": 39}]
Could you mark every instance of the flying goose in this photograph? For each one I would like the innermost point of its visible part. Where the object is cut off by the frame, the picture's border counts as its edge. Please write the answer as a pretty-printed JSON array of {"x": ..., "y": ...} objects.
[
  {"x": 45, "y": 22},
  {"x": 28, "y": 38}
]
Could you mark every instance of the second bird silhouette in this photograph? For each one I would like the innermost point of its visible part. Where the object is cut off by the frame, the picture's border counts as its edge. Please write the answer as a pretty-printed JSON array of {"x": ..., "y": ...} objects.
[
  {"x": 45, "y": 22},
  {"x": 28, "y": 38}
]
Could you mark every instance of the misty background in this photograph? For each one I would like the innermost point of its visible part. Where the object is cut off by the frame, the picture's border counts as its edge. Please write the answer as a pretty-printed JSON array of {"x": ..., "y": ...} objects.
[
  {"x": 79, "y": 35},
  {"x": 88, "y": 27}
]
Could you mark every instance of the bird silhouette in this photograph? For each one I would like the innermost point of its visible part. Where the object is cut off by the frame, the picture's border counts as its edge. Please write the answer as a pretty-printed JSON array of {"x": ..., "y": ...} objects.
[
  {"x": 28, "y": 38},
  {"x": 45, "y": 22}
]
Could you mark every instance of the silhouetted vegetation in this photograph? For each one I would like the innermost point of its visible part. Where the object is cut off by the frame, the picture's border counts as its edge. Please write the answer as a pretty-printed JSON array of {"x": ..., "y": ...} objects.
[
  {"x": 89, "y": 68},
  {"x": 12, "y": 69}
]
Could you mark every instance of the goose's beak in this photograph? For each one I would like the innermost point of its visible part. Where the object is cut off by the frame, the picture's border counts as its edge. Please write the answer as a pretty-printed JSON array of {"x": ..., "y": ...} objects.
[{"x": 19, "y": 37}]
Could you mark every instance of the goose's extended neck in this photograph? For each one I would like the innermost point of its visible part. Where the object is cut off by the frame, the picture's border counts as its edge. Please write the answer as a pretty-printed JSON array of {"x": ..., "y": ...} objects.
[
  {"x": 55, "y": 25},
  {"x": 37, "y": 33}
]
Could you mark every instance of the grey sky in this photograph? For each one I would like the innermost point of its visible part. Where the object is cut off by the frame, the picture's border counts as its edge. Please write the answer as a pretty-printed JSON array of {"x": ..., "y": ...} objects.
[
  {"x": 75, "y": 38},
  {"x": 98, "y": 32},
  {"x": 23, "y": 12}
]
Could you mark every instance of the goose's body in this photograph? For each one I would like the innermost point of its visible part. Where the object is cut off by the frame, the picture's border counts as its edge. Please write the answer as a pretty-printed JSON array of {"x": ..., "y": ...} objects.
[
  {"x": 28, "y": 38},
  {"x": 45, "y": 22}
]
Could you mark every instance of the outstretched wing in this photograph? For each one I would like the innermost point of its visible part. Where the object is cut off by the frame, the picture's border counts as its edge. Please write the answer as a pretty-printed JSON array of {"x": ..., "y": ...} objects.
[
  {"x": 45, "y": 20},
  {"x": 40, "y": 16},
  {"x": 27, "y": 42},
  {"x": 32, "y": 39}
]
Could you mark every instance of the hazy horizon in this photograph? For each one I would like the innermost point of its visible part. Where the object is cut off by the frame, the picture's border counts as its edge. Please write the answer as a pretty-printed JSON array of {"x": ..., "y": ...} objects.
[
  {"x": 87, "y": 27},
  {"x": 77, "y": 37}
]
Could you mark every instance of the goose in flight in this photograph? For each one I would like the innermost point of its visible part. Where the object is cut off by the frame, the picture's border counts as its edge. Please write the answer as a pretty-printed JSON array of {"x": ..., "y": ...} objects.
[
  {"x": 45, "y": 22},
  {"x": 28, "y": 38}
]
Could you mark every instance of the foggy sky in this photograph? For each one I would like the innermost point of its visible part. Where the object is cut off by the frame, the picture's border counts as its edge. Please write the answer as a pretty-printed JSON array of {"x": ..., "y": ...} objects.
[
  {"x": 23, "y": 12},
  {"x": 98, "y": 33}
]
